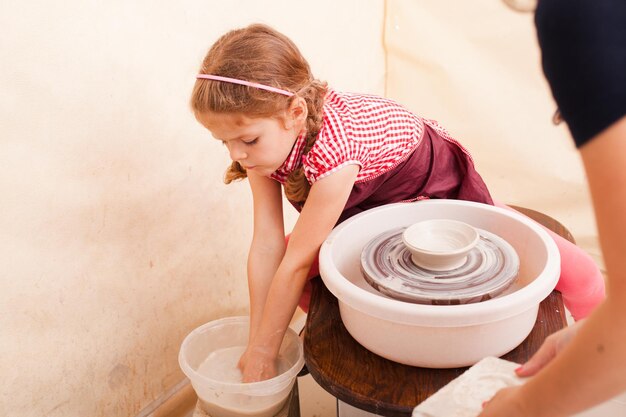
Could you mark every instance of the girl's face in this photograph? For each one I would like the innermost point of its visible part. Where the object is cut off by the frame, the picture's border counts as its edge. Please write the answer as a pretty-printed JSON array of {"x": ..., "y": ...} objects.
[{"x": 258, "y": 144}]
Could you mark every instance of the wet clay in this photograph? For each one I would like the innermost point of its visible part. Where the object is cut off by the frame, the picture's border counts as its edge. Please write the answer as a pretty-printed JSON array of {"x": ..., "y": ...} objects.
[{"x": 214, "y": 410}]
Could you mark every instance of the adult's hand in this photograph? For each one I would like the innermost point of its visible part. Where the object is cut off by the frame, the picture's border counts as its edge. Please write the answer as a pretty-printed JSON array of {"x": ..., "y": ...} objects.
[
  {"x": 507, "y": 402},
  {"x": 510, "y": 401},
  {"x": 548, "y": 350}
]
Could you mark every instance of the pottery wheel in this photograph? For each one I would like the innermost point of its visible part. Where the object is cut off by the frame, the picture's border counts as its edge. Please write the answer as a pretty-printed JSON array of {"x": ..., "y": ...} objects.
[{"x": 489, "y": 269}]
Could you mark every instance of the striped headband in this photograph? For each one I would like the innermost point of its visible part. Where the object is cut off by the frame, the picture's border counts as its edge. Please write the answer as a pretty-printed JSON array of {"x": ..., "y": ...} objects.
[{"x": 247, "y": 83}]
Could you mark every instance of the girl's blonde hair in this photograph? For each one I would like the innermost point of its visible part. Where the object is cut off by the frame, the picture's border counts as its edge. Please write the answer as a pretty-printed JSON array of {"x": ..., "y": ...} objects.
[{"x": 260, "y": 54}]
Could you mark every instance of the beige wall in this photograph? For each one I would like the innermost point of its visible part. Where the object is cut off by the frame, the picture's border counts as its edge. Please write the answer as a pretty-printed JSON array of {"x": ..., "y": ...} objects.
[
  {"x": 118, "y": 236},
  {"x": 475, "y": 67}
]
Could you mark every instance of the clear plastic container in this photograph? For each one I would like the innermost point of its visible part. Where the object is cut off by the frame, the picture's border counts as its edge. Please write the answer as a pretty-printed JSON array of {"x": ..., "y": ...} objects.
[{"x": 214, "y": 380}]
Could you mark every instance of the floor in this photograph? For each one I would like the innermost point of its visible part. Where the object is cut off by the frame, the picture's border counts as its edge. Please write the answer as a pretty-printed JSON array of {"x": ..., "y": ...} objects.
[{"x": 314, "y": 401}]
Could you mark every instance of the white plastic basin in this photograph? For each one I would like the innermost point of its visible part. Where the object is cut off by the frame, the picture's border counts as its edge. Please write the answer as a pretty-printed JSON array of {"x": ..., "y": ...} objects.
[{"x": 439, "y": 336}]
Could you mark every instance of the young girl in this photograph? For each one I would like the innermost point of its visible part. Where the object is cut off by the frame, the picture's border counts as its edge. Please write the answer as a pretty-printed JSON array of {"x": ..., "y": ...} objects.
[{"x": 335, "y": 155}]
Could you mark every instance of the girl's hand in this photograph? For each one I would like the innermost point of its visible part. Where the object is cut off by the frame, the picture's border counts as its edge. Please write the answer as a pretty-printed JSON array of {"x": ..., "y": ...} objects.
[
  {"x": 257, "y": 365},
  {"x": 548, "y": 350}
]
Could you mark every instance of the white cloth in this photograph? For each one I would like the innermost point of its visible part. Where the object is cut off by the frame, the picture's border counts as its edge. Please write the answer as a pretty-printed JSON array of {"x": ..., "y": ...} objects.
[{"x": 464, "y": 396}]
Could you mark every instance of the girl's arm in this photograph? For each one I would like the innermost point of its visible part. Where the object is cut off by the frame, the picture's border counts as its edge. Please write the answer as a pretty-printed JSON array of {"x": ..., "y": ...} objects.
[
  {"x": 268, "y": 243},
  {"x": 591, "y": 368},
  {"x": 324, "y": 205}
]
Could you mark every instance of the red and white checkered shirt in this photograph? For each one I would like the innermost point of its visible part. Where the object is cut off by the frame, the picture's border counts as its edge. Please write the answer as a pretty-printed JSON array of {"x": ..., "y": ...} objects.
[{"x": 373, "y": 132}]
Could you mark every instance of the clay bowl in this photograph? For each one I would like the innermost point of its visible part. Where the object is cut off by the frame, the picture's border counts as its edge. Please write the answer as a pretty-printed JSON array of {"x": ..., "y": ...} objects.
[{"x": 440, "y": 244}]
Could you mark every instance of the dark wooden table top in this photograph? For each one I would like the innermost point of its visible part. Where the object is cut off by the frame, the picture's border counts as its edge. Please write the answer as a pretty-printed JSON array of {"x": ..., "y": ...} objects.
[{"x": 367, "y": 381}]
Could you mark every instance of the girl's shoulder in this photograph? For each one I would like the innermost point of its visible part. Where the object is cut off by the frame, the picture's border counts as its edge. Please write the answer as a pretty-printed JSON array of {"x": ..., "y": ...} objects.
[
  {"x": 357, "y": 112},
  {"x": 360, "y": 113},
  {"x": 359, "y": 101},
  {"x": 363, "y": 129}
]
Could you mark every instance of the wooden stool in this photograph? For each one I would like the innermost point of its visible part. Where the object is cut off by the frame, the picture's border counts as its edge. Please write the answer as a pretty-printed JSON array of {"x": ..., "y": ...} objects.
[{"x": 362, "y": 379}]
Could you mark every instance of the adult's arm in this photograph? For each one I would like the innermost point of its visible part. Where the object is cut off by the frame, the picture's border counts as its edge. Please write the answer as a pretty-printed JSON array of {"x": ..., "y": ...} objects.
[{"x": 591, "y": 368}]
